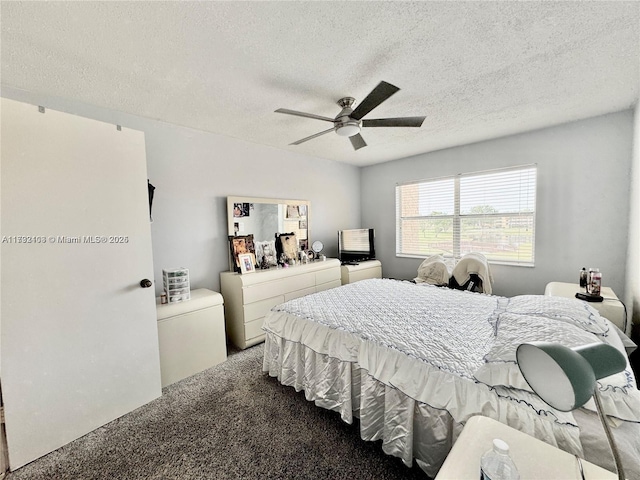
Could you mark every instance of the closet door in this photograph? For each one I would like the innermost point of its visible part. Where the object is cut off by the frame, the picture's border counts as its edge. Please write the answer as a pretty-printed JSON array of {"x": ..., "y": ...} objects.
[{"x": 79, "y": 342}]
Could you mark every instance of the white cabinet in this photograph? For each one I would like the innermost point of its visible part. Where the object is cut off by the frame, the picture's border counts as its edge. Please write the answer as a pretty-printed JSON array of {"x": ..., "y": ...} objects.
[
  {"x": 248, "y": 297},
  {"x": 191, "y": 335},
  {"x": 361, "y": 271}
]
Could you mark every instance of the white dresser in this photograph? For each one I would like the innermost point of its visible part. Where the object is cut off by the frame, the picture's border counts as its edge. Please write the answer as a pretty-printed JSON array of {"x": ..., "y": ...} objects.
[
  {"x": 361, "y": 271},
  {"x": 191, "y": 335},
  {"x": 248, "y": 297}
]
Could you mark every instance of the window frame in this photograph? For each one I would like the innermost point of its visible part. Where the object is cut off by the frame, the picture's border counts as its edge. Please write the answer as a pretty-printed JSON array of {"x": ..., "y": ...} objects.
[{"x": 457, "y": 217}]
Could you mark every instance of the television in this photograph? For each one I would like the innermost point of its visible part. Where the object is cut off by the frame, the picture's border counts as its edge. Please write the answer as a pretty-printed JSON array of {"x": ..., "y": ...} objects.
[{"x": 356, "y": 245}]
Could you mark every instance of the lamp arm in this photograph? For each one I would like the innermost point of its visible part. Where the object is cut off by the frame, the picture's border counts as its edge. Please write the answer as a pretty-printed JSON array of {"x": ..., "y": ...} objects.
[{"x": 607, "y": 431}]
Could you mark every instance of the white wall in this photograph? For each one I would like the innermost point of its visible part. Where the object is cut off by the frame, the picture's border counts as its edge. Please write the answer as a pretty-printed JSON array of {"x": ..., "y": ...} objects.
[
  {"x": 194, "y": 172},
  {"x": 632, "y": 296},
  {"x": 582, "y": 199}
]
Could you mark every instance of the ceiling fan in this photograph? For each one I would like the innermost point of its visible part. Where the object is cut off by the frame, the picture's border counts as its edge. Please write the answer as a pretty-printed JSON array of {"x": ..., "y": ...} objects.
[{"x": 349, "y": 121}]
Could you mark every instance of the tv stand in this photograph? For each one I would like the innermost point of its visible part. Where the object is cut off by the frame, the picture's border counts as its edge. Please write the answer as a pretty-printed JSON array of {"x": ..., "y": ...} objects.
[{"x": 355, "y": 271}]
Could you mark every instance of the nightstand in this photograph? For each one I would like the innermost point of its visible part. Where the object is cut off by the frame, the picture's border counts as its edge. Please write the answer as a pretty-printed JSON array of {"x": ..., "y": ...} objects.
[
  {"x": 611, "y": 308},
  {"x": 361, "y": 271},
  {"x": 191, "y": 335},
  {"x": 534, "y": 458}
]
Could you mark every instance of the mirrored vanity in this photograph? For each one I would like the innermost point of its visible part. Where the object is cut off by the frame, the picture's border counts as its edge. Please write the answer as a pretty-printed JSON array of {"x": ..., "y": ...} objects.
[
  {"x": 254, "y": 224},
  {"x": 275, "y": 231}
]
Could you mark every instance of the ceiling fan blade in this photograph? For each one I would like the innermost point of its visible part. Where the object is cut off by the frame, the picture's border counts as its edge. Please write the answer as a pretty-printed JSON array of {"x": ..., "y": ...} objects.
[
  {"x": 357, "y": 141},
  {"x": 394, "y": 122},
  {"x": 378, "y": 95},
  {"x": 312, "y": 136},
  {"x": 303, "y": 114}
]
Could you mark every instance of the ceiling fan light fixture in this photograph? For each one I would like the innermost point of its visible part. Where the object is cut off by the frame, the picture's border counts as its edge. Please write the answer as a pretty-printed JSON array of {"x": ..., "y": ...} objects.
[
  {"x": 349, "y": 121},
  {"x": 348, "y": 129}
]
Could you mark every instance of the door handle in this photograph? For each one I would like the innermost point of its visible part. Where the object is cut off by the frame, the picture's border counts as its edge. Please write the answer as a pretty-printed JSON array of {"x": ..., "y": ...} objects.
[{"x": 146, "y": 283}]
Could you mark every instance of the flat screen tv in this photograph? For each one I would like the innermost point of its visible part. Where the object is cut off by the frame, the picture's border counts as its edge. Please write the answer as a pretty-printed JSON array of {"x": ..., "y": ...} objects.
[{"x": 356, "y": 245}]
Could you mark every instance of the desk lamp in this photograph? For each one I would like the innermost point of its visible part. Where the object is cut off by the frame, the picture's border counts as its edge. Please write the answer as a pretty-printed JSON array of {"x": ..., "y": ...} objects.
[{"x": 566, "y": 378}]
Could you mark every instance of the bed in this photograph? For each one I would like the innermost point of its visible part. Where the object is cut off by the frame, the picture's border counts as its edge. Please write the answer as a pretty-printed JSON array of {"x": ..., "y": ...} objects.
[{"x": 413, "y": 362}]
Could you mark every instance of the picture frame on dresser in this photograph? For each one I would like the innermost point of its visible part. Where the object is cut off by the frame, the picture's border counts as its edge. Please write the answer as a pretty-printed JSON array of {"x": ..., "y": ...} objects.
[
  {"x": 287, "y": 245},
  {"x": 238, "y": 245},
  {"x": 247, "y": 263}
]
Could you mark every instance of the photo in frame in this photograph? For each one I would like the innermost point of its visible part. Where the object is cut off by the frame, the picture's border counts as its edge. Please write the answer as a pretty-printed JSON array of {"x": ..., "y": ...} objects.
[
  {"x": 242, "y": 209},
  {"x": 238, "y": 245},
  {"x": 287, "y": 246},
  {"x": 293, "y": 211},
  {"x": 247, "y": 263}
]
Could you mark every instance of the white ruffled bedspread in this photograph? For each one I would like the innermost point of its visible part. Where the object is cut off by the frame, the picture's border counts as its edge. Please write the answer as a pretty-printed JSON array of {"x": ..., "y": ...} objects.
[{"x": 415, "y": 362}]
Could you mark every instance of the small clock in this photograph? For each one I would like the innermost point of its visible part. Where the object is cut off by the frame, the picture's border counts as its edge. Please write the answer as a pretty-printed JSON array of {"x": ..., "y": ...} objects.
[{"x": 317, "y": 247}]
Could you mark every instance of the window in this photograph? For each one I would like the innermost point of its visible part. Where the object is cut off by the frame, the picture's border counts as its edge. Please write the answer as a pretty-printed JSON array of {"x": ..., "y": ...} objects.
[{"x": 492, "y": 213}]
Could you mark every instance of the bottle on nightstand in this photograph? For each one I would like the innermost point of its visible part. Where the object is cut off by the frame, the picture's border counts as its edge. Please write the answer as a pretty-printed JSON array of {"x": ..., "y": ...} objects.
[
  {"x": 496, "y": 464},
  {"x": 583, "y": 278}
]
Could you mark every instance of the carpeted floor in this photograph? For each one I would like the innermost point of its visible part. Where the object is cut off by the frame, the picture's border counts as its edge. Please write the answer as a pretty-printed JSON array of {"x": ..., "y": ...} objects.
[{"x": 228, "y": 422}]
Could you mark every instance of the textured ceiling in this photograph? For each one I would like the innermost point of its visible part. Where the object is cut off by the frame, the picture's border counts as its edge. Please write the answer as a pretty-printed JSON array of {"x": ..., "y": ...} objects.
[{"x": 476, "y": 70}]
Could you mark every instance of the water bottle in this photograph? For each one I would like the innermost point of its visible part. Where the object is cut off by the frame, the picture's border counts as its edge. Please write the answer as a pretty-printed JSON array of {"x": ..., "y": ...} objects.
[{"x": 496, "y": 464}]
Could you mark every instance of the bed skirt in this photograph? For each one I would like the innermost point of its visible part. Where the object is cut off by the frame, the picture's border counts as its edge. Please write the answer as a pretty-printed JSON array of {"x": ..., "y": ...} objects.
[{"x": 408, "y": 429}]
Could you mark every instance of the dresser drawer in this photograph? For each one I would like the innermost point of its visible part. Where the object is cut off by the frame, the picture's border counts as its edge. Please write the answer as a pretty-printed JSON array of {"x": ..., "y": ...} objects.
[
  {"x": 329, "y": 275},
  {"x": 256, "y": 310},
  {"x": 327, "y": 286},
  {"x": 299, "y": 293},
  {"x": 253, "y": 329},
  {"x": 255, "y": 293}
]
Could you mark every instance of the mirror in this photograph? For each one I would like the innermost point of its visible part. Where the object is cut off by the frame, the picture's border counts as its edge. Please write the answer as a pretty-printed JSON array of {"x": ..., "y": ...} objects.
[{"x": 264, "y": 217}]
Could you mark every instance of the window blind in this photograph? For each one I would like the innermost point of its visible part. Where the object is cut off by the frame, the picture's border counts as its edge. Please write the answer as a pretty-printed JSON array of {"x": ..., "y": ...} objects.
[{"x": 492, "y": 213}]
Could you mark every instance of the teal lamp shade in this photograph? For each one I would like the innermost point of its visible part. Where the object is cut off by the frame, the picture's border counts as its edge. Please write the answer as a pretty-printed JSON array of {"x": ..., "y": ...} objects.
[
  {"x": 566, "y": 378},
  {"x": 563, "y": 377}
]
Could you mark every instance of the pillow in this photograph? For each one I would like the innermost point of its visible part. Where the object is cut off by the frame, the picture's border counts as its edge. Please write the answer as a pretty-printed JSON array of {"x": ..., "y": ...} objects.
[
  {"x": 501, "y": 367},
  {"x": 568, "y": 310},
  {"x": 620, "y": 397}
]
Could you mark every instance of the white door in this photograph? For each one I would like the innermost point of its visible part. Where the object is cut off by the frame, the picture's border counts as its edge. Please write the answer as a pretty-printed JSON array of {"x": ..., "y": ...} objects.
[{"x": 79, "y": 336}]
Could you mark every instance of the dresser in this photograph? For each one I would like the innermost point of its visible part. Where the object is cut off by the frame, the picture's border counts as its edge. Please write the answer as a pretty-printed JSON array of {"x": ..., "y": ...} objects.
[
  {"x": 248, "y": 297},
  {"x": 361, "y": 271},
  {"x": 191, "y": 335}
]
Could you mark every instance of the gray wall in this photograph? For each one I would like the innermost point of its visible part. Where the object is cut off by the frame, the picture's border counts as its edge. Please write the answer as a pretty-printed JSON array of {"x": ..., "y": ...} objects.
[
  {"x": 582, "y": 199},
  {"x": 194, "y": 172}
]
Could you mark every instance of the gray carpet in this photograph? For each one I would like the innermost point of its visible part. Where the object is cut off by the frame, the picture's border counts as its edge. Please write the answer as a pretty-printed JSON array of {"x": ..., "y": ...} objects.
[{"x": 228, "y": 422}]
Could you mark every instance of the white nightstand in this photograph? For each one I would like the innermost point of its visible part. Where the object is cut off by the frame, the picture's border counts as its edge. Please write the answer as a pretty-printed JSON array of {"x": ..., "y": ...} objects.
[
  {"x": 534, "y": 458},
  {"x": 611, "y": 308},
  {"x": 191, "y": 335},
  {"x": 361, "y": 271}
]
